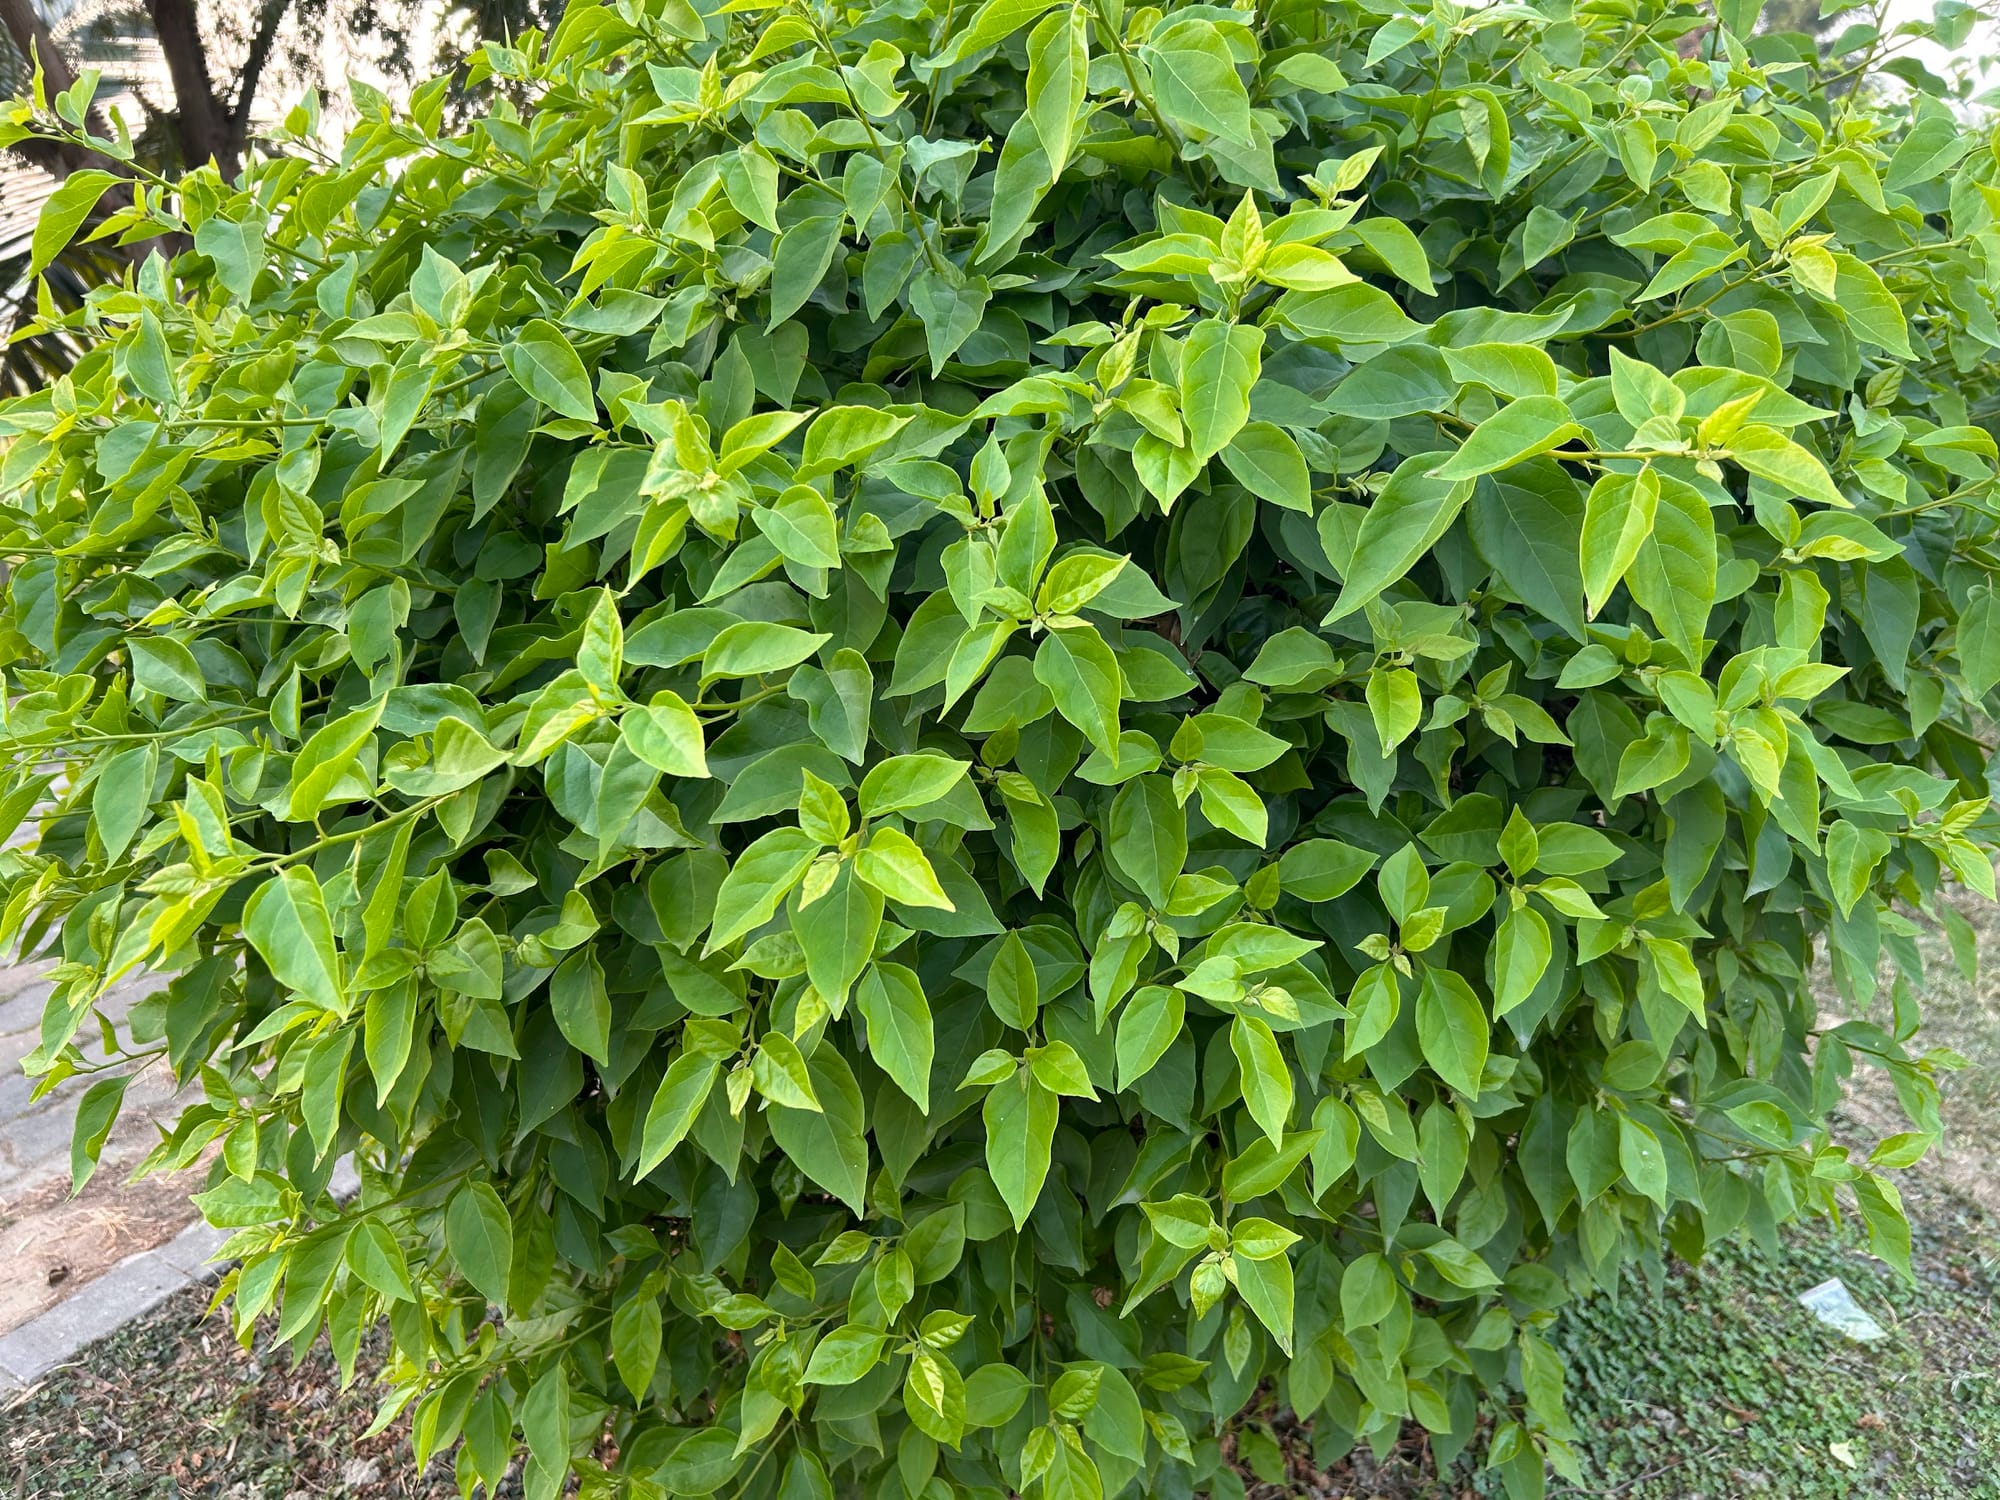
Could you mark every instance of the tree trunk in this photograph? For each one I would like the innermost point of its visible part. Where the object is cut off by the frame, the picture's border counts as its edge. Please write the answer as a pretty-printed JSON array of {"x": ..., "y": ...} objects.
[{"x": 208, "y": 128}]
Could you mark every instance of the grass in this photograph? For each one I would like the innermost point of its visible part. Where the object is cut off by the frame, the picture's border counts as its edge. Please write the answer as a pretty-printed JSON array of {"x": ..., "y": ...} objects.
[
  {"x": 1725, "y": 1386},
  {"x": 170, "y": 1408}
]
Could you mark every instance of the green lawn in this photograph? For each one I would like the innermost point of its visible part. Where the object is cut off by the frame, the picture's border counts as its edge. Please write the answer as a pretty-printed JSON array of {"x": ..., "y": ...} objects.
[{"x": 1724, "y": 1386}]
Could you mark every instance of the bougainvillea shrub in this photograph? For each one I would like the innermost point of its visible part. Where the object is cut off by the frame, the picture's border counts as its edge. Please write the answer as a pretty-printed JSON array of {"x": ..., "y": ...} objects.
[{"x": 969, "y": 744}]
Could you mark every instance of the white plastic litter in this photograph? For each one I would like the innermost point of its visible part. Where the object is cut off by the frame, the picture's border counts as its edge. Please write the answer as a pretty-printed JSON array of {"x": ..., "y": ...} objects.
[{"x": 1834, "y": 1305}]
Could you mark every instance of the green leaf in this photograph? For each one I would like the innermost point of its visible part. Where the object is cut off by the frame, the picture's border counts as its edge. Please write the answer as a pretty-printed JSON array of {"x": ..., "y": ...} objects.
[
  {"x": 778, "y": 1071},
  {"x": 845, "y": 435},
  {"x": 829, "y": 1145},
  {"x": 1888, "y": 1225},
  {"x": 1372, "y": 1007},
  {"x": 64, "y": 212},
  {"x": 676, "y": 1102},
  {"x": 237, "y": 248},
  {"x": 1517, "y": 432},
  {"x": 1642, "y": 393},
  {"x": 1077, "y": 580},
  {"x": 753, "y": 648},
  {"x": 1617, "y": 521},
  {"x": 1459, "y": 1266},
  {"x": 1058, "y": 1068},
  {"x": 1526, "y": 523},
  {"x": 845, "y": 1355},
  {"x": 1392, "y": 242},
  {"x": 1396, "y": 703},
  {"x": 906, "y": 781},
  {"x": 1359, "y": 314},
  {"x": 1770, "y": 455},
  {"x": 1195, "y": 83},
  {"x": 1412, "y": 511},
  {"x": 895, "y": 866},
  {"x": 1869, "y": 307},
  {"x": 582, "y": 1005},
  {"x": 900, "y": 1031},
  {"x": 950, "y": 305},
  {"x": 121, "y": 800},
  {"x": 1442, "y": 1151},
  {"x": 1322, "y": 869},
  {"x": 801, "y": 259},
  {"x": 1013, "y": 989},
  {"x": 1020, "y": 1117},
  {"x": 544, "y": 364},
  {"x": 374, "y": 1255},
  {"x": 1642, "y": 1160},
  {"x": 96, "y": 1113},
  {"x": 164, "y": 666},
  {"x": 1367, "y": 1292},
  {"x": 545, "y": 1423},
  {"x": 1148, "y": 836},
  {"x": 325, "y": 760},
  {"x": 1674, "y": 574},
  {"x": 837, "y": 932},
  {"x": 1542, "y": 234},
  {"x": 760, "y": 878},
  {"x": 934, "y": 1397},
  {"x": 1521, "y": 953},
  {"x": 1266, "y": 1286},
  {"x": 1147, "y": 1027},
  {"x": 1232, "y": 804},
  {"x": 1219, "y": 365},
  {"x": 1058, "y": 82},
  {"x": 286, "y": 921},
  {"x": 1979, "y": 640},
  {"x": 1453, "y": 1030},
  {"x": 1267, "y": 462},
  {"x": 1267, "y": 1078},
  {"x": 991, "y": 24},
  {"x": 1396, "y": 383},
  {"x": 480, "y": 1237},
  {"x": 1080, "y": 672},
  {"x": 666, "y": 735},
  {"x": 637, "y": 1329},
  {"x": 802, "y": 526}
]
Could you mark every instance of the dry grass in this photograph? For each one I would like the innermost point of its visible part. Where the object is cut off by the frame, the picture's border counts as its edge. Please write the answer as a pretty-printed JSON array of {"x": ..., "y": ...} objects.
[{"x": 172, "y": 1409}]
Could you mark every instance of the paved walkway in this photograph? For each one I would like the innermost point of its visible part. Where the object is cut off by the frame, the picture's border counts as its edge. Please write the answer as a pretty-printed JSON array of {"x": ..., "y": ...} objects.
[{"x": 50, "y": 1244}]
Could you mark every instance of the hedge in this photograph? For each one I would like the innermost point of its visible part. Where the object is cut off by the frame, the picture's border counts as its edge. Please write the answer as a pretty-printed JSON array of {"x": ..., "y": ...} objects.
[{"x": 968, "y": 745}]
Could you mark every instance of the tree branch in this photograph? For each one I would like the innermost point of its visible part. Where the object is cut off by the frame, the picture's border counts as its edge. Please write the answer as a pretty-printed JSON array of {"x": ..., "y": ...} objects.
[
  {"x": 206, "y": 128},
  {"x": 253, "y": 63}
]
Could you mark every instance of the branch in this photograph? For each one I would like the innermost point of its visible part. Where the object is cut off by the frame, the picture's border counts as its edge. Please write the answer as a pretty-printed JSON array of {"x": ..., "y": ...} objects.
[{"x": 253, "y": 63}]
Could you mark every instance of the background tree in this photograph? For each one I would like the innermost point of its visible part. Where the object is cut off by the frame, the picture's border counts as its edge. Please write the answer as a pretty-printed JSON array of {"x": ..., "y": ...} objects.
[{"x": 193, "y": 79}]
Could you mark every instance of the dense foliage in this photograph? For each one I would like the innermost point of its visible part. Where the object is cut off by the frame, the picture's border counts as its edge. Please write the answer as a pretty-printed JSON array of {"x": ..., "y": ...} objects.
[{"x": 971, "y": 742}]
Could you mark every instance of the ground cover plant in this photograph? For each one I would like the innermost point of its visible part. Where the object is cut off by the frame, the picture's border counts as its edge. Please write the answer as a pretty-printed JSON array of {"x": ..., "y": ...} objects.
[{"x": 957, "y": 738}]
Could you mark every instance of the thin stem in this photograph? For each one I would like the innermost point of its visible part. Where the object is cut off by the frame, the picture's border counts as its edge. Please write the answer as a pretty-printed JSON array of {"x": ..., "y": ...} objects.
[{"x": 1138, "y": 91}]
